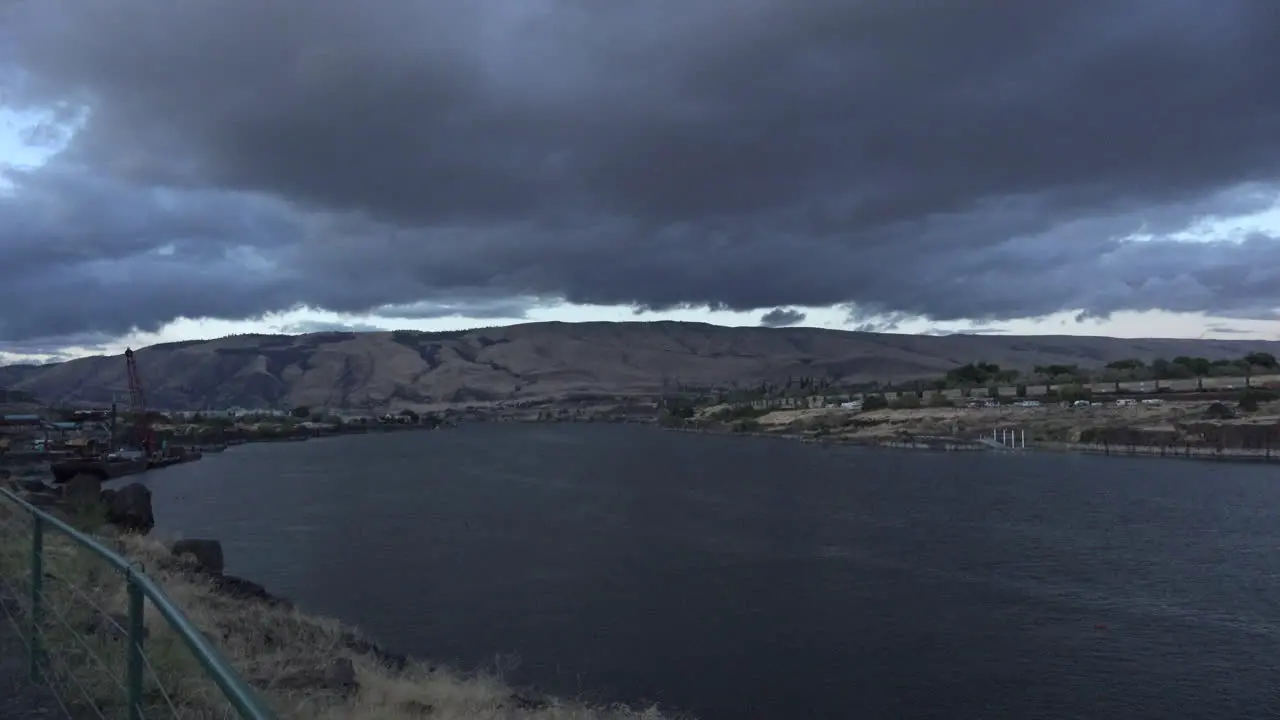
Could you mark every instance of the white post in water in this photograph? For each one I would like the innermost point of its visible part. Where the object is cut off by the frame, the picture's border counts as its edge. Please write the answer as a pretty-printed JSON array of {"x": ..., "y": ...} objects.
[
  {"x": 1024, "y": 438},
  {"x": 993, "y": 435}
]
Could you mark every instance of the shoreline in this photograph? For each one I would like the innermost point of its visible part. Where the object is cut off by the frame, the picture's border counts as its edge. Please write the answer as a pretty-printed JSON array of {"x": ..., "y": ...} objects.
[
  {"x": 305, "y": 666},
  {"x": 943, "y": 445}
]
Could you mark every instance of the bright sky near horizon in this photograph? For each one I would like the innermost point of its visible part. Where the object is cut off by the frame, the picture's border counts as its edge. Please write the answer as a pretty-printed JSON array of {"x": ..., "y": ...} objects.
[{"x": 163, "y": 204}]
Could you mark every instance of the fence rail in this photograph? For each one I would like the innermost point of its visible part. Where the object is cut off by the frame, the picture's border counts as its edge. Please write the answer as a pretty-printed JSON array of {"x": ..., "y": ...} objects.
[{"x": 77, "y": 623}]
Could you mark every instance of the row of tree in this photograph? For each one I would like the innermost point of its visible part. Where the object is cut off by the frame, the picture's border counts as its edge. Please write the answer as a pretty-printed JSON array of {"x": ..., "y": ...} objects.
[
  {"x": 1183, "y": 367},
  {"x": 1065, "y": 381}
]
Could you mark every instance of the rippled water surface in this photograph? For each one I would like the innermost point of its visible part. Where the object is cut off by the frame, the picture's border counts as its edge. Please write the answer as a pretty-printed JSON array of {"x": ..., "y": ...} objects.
[{"x": 737, "y": 577}]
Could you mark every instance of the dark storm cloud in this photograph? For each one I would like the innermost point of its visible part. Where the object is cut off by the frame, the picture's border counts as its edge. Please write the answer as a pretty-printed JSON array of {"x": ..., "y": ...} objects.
[
  {"x": 782, "y": 317},
  {"x": 976, "y": 160}
]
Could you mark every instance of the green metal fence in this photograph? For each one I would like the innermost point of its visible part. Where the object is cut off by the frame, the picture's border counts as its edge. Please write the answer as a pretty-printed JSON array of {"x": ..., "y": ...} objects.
[{"x": 59, "y": 600}]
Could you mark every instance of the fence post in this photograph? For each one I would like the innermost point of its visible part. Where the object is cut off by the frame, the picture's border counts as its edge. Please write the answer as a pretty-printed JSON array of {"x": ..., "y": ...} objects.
[
  {"x": 133, "y": 681},
  {"x": 37, "y": 576}
]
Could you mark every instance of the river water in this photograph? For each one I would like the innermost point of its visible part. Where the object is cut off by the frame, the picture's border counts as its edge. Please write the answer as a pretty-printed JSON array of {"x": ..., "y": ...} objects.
[{"x": 754, "y": 578}]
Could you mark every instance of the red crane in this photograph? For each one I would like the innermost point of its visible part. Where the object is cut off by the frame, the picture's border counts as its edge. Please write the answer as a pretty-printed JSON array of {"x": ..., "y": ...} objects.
[{"x": 138, "y": 406}]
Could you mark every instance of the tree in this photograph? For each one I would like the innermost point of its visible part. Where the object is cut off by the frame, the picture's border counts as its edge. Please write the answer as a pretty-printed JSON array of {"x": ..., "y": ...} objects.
[
  {"x": 678, "y": 407},
  {"x": 874, "y": 402},
  {"x": 1159, "y": 368},
  {"x": 1074, "y": 392},
  {"x": 1020, "y": 390},
  {"x": 970, "y": 374},
  {"x": 302, "y": 411},
  {"x": 1262, "y": 360},
  {"x": 905, "y": 402},
  {"x": 1128, "y": 368},
  {"x": 1057, "y": 374},
  {"x": 1196, "y": 366}
]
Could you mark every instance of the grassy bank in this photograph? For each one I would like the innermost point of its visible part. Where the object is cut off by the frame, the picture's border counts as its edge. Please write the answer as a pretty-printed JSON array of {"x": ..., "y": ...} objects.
[{"x": 304, "y": 666}]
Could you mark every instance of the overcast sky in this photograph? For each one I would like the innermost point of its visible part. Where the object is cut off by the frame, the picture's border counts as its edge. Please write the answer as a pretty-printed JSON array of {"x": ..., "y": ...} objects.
[{"x": 1079, "y": 166}]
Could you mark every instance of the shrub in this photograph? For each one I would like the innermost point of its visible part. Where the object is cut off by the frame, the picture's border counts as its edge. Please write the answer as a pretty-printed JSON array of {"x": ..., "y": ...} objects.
[
  {"x": 1249, "y": 399},
  {"x": 874, "y": 402},
  {"x": 940, "y": 400},
  {"x": 905, "y": 402}
]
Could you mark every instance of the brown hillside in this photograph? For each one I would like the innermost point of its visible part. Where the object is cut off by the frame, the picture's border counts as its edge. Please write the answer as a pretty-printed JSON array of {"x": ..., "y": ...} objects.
[{"x": 393, "y": 370}]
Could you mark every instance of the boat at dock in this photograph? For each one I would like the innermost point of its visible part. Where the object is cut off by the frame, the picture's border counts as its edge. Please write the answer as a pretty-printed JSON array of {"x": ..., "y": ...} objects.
[
  {"x": 103, "y": 468},
  {"x": 119, "y": 464},
  {"x": 161, "y": 461}
]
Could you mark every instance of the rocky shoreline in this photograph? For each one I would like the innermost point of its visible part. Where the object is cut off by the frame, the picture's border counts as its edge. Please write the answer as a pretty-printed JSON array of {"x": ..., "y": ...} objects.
[
  {"x": 338, "y": 661},
  {"x": 935, "y": 443}
]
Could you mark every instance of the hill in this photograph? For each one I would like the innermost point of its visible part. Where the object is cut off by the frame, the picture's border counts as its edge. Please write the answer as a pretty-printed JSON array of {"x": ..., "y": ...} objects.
[{"x": 393, "y": 370}]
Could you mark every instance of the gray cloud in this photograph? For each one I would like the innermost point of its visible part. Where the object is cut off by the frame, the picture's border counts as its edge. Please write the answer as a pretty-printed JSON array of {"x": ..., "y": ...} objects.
[
  {"x": 323, "y": 326},
  {"x": 782, "y": 317},
  {"x": 1228, "y": 330},
  {"x": 977, "y": 160},
  {"x": 966, "y": 331},
  {"x": 23, "y": 350},
  {"x": 506, "y": 308}
]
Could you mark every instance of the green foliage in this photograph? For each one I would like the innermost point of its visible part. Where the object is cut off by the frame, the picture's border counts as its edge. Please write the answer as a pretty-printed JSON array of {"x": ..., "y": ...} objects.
[
  {"x": 1074, "y": 392},
  {"x": 1052, "y": 372},
  {"x": 679, "y": 407},
  {"x": 1261, "y": 359},
  {"x": 301, "y": 412},
  {"x": 1197, "y": 366},
  {"x": 940, "y": 400},
  {"x": 1251, "y": 398},
  {"x": 1020, "y": 390},
  {"x": 904, "y": 402},
  {"x": 1130, "y": 366},
  {"x": 981, "y": 373},
  {"x": 874, "y": 402}
]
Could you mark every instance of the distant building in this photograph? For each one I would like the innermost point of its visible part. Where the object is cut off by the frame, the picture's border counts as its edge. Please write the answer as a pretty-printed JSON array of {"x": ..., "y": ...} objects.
[{"x": 18, "y": 424}]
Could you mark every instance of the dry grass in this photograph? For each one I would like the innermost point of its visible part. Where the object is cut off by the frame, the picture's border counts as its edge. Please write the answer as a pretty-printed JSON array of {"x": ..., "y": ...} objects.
[{"x": 283, "y": 653}]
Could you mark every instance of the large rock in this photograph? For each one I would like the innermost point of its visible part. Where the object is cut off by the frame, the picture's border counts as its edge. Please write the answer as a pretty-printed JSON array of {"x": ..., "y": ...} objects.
[
  {"x": 206, "y": 553},
  {"x": 130, "y": 509}
]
